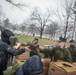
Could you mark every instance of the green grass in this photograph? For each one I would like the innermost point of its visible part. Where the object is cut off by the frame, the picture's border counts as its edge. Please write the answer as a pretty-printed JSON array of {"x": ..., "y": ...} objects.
[{"x": 25, "y": 39}]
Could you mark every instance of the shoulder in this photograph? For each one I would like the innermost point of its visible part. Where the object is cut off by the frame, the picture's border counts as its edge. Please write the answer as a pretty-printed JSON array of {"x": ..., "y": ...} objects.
[
  {"x": 55, "y": 48},
  {"x": 67, "y": 50},
  {"x": 3, "y": 44}
]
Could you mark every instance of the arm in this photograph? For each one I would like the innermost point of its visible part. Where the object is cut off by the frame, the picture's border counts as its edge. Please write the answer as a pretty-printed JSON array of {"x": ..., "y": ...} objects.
[
  {"x": 68, "y": 54},
  {"x": 11, "y": 51},
  {"x": 52, "y": 52},
  {"x": 1, "y": 53}
]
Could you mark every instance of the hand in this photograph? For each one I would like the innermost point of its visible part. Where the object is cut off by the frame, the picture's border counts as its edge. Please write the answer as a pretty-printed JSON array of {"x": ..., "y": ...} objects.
[
  {"x": 16, "y": 47},
  {"x": 23, "y": 49}
]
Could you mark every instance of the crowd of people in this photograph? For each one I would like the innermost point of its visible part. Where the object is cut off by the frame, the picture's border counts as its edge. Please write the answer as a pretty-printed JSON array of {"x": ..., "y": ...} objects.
[
  {"x": 61, "y": 52},
  {"x": 33, "y": 65},
  {"x": 66, "y": 53}
]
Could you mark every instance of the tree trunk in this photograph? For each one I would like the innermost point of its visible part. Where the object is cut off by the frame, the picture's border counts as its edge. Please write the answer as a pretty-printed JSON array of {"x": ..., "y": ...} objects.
[
  {"x": 41, "y": 35},
  {"x": 41, "y": 32},
  {"x": 65, "y": 32},
  {"x": 73, "y": 32}
]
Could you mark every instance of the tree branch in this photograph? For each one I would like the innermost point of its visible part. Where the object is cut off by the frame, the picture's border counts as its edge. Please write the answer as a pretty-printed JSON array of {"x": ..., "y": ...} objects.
[{"x": 18, "y": 5}]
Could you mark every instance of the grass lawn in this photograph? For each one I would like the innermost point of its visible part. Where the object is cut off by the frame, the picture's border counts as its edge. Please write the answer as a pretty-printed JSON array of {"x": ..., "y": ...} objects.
[{"x": 25, "y": 39}]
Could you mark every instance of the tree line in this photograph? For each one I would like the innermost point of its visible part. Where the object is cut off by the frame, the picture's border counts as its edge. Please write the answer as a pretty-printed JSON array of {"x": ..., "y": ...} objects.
[{"x": 43, "y": 23}]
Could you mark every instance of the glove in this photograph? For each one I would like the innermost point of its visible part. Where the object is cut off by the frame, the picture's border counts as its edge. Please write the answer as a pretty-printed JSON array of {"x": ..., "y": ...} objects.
[{"x": 23, "y": 49}]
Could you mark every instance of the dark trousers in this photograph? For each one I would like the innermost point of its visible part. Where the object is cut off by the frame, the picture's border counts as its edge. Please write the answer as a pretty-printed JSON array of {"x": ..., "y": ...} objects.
[{"x": 1, "y": 73}]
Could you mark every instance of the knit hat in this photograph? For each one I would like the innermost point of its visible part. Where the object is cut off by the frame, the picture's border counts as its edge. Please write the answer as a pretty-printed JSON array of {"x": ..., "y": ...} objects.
[
  {"x": 61, "y": 39},
  {"x": 71, "y": 41}
]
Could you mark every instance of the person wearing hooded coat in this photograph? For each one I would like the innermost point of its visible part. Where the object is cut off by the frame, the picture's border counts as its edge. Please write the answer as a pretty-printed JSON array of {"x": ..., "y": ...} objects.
[
  {"x": 32, "y": 66},
  {"x": 6, "y": 50}
]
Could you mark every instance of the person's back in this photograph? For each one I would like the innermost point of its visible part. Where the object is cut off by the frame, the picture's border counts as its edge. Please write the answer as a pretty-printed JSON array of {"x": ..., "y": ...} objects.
[{"x": 31, "y": 67}]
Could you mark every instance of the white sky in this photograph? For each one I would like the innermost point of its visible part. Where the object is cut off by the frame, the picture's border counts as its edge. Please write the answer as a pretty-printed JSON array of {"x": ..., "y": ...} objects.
[{"x": 17, "y": 16}]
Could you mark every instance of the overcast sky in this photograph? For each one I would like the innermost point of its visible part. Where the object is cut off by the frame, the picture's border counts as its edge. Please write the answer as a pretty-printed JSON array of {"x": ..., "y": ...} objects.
[{"x": 15, "y": 15}]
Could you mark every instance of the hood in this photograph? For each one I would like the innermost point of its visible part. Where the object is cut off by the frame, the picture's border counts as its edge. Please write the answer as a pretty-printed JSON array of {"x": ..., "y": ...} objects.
[{"x": 5, "y": 34}]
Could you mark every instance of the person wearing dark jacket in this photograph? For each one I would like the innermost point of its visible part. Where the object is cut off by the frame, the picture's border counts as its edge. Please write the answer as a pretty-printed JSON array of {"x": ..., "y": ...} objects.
[
  {"x": 33, "y": 66},
  {"x": 72, "y": 50},
  {"x": 6, "y": 50}
]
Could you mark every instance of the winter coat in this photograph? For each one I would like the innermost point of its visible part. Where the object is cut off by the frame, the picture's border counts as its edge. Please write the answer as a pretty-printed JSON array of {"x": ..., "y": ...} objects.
[
  {"x": 32, "y": 66},
  {"x": 6, "y": 50},
  {"x": 60, "y": 54},
  {"x": 73, "y": 52}
]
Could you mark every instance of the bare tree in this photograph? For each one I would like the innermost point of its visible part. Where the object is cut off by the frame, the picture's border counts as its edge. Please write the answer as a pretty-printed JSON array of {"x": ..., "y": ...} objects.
[
  {"x": 18, "y": 5},
  {"x": 32, "y": 29},
  {"x": 23, "y": 28},
  {"x": 66, "y": 15},
  {"x": 6, "y": 23},
  {"x": 40, "y": 20},
  {"x": 2, "y": 16},
  {"x": 51, "y": 29},
  {"x": 14, "y": 28}
]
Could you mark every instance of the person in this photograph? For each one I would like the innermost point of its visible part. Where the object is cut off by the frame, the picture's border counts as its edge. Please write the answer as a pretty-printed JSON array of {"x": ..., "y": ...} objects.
[
  {"x": 35, "y": 43},
  {"x": 34, "y": 46},
  {"x": 8, "y": 37},
  {"x": 6, "y": 49},
  {"x": 72, "y": 50},
  {"x": 33, "y": 66},
  {"x": 60, "y": 52}
]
